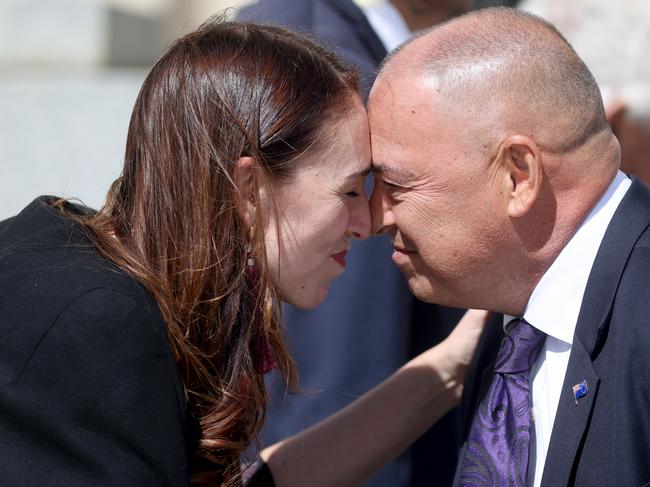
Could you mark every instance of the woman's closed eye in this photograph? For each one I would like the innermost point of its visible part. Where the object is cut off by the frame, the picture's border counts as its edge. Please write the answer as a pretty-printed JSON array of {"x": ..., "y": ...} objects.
[{"x": 356, "y": 191}]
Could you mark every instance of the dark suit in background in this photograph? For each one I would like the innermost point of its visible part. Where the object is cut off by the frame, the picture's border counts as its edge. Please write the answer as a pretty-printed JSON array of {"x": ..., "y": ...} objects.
[
  {"x": 604, "y": 440},
  {"x": 370, "y": 324}
]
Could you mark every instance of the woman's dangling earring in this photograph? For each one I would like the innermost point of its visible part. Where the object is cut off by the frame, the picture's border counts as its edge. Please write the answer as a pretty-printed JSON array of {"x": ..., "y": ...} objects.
[
  {"x": 250, "y": 262},
  {"x": 263, "y": 357}
]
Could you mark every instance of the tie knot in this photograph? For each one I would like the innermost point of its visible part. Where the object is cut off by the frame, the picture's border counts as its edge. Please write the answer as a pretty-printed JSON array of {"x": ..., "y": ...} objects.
[{"x": 519, "y": 348}]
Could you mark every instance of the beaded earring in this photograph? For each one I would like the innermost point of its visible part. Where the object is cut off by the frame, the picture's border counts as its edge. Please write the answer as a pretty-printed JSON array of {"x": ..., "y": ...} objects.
[{"x": 262, "y": 352}]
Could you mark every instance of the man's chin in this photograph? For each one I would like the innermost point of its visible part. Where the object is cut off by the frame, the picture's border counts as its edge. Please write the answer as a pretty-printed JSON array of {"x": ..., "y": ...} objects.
[
  {"x": 420, "y": 288},
  {"x": 419, "y": 284}
]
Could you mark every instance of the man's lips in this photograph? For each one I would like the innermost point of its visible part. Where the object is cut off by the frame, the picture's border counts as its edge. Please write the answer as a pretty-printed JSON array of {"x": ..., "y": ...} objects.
[
  {"x": 402, "y": 250},
  {"x": 340, "y": 257}
]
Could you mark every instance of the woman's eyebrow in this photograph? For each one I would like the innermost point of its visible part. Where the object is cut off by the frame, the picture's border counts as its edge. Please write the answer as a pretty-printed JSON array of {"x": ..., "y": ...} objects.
[{"x": 358, "y": 174}]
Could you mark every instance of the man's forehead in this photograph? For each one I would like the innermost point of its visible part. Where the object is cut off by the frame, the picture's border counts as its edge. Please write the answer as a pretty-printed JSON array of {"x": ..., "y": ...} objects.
[
  {"x": 401, "y": 102},
  {"x": 394, "y": 90},
  {"x": 391, "y": 121}
]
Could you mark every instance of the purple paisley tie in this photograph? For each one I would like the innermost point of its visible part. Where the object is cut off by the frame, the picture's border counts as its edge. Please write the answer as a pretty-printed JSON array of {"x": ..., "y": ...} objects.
[{"x": 498, "y": 443}]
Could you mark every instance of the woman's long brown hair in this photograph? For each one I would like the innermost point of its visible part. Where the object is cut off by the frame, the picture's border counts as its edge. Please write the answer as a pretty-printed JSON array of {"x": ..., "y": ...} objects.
[{"x": 225, "y": 91}]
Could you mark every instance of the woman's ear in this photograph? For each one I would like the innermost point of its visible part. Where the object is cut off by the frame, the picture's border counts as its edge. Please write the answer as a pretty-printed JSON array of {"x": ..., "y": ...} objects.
[
  {"x": 244, "y": 179},
  {"x": 521, "y": 171}
]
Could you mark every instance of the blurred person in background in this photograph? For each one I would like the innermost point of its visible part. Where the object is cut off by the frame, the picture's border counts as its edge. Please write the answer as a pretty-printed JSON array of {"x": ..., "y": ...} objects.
[
  {"x": 133, "y": 340},
  {"x": 371, "y": 303},
  {"x": 613, "y": 38}
]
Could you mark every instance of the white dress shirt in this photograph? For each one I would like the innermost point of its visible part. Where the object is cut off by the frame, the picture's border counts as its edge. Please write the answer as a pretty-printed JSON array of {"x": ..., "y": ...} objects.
[
  {"x": 388, "y": 24},
  {"x": 553, "y": 308}
]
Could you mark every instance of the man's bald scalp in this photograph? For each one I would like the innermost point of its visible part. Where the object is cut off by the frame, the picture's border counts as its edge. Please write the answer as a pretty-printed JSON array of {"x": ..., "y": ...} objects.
[{"x": 512, "y": 63}]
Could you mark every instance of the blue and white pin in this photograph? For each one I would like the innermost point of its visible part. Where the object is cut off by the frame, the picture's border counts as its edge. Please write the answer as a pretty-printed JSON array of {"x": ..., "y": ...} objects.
[{"x": 580, "y": 390}]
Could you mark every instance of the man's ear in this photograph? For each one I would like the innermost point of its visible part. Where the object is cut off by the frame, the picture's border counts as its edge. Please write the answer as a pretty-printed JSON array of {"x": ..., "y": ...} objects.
[
  {"x": 615, "y": 111},
  {"x": 520, "y": 165},
  {"x": 244, "y": 179}
]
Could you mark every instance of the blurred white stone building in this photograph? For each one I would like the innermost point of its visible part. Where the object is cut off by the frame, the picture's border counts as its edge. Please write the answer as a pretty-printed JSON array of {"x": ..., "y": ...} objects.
[{"x": 69, "y": 73}]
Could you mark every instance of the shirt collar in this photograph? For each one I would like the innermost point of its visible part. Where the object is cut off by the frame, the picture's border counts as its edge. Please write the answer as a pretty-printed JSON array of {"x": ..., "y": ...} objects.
[
  {"x": 555, "y": 303},
  {"x": 388, "y": 24}
]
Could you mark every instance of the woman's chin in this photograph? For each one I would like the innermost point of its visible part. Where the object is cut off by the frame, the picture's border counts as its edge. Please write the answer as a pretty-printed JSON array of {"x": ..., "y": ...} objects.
[{"x": 307, "y": 299}]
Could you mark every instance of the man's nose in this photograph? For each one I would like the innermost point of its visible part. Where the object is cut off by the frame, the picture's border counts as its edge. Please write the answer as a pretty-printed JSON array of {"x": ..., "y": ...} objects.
[{"x": 380, "y": 210}]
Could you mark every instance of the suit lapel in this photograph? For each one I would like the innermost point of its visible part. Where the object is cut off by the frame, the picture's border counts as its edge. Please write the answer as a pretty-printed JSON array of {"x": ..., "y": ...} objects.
[
  {"x": 572, "y": 418},
  {"x": 630, "y": 220},
  {"x": 571, "y": 421}
]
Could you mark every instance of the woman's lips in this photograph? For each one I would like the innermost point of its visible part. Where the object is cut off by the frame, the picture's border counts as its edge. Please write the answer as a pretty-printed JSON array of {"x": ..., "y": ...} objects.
[{"x": 340, "y": 257}]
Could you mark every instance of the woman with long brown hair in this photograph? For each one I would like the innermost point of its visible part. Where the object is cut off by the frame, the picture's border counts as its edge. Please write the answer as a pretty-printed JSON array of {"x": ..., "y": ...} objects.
[{"x": 135, "y": 339}]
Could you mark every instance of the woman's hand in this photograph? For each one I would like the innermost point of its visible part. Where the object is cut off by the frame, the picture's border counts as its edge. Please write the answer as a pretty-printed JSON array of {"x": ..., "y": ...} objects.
[
  {"x": 457, "y": 349},
  {"x": 376, "y": 427}
]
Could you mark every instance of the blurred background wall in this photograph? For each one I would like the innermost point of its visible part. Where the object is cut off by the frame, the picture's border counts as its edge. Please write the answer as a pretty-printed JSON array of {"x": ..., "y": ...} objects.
[{"x": 70, "y": 71}]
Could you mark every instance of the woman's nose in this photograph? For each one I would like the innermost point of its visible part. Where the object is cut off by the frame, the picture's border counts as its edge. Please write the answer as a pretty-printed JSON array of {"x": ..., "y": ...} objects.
[{"x": 359, "y": 225}]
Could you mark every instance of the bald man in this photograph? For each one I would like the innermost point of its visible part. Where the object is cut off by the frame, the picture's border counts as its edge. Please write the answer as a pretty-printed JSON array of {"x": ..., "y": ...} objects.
[{"x": 497, "y": 179}]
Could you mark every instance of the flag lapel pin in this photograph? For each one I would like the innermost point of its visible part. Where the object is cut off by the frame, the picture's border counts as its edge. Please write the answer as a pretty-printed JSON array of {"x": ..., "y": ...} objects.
[{"x": 580, "y": 390}]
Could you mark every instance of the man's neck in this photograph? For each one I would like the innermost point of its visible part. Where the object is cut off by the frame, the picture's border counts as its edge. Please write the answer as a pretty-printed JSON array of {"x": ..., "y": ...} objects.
[{"x": 571, "y": 209}]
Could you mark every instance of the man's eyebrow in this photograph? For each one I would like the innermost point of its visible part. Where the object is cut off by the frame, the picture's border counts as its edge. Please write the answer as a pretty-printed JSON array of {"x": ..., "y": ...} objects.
[{"x": 379, "y": 168}]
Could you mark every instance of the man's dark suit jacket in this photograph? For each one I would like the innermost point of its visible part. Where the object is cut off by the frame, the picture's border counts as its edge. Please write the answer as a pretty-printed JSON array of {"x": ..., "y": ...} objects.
[
  {"x": 89, "y": 392},
  {"x": 370, "y": 324},
  {"x": 604, "y": 440}
]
